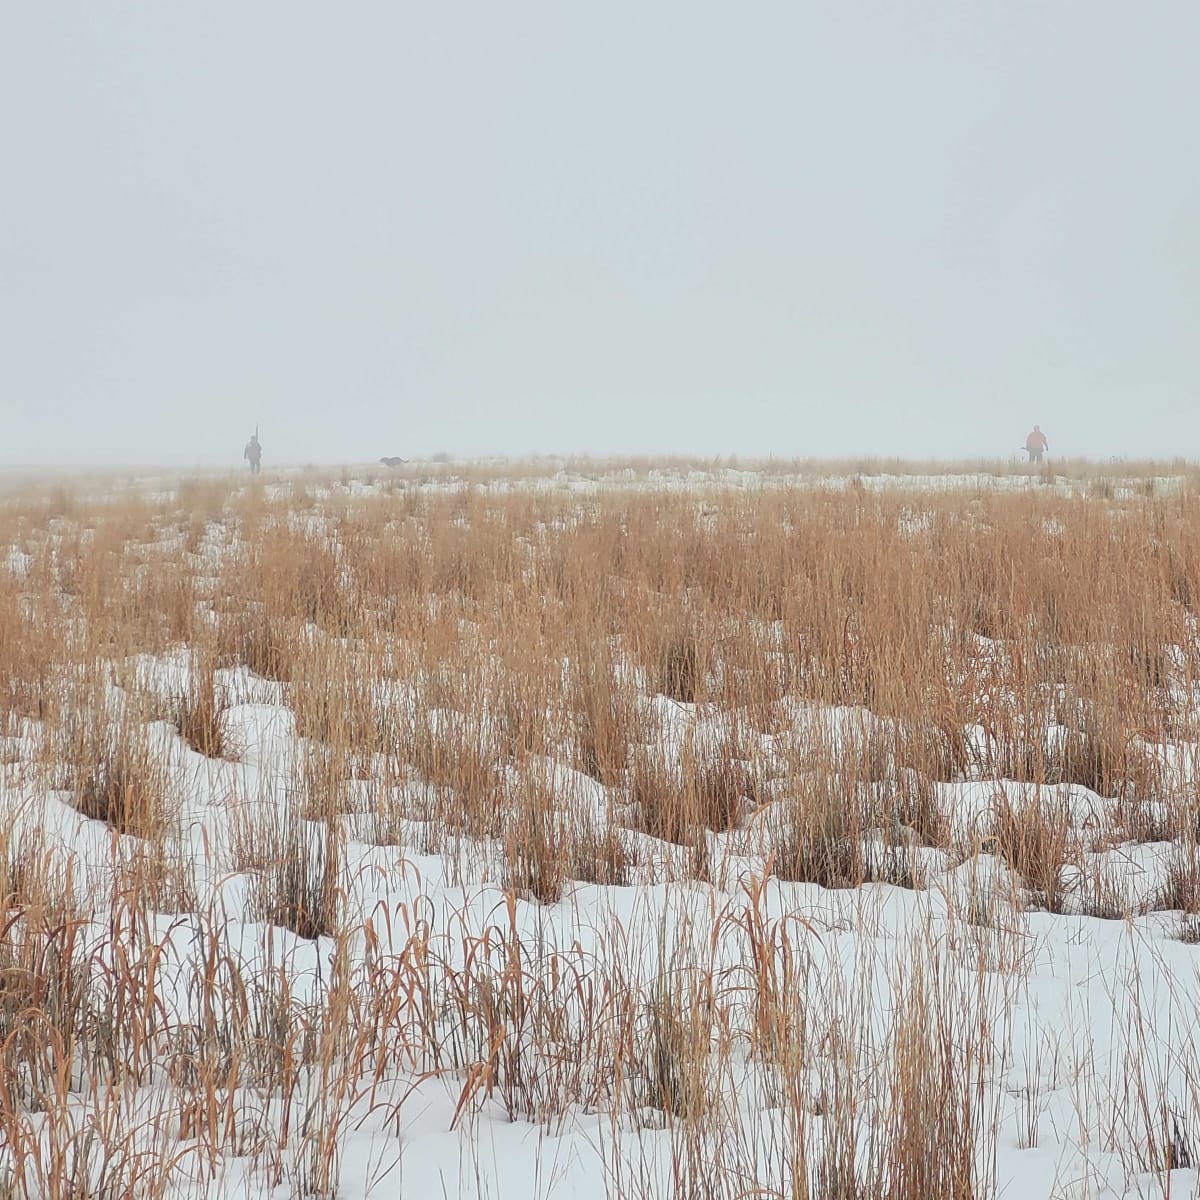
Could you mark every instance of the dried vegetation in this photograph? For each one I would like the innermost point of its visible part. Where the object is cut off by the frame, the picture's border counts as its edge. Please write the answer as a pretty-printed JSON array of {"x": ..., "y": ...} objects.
[{"x": 731, "y": 691}]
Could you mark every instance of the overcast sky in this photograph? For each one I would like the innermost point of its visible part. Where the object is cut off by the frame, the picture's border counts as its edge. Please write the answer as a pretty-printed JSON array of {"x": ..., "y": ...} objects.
[{"x": 601, "y": 226}]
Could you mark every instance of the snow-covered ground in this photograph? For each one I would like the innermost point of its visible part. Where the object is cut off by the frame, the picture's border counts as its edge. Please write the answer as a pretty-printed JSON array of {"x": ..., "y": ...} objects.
[{"x": 704, "y": 1026}]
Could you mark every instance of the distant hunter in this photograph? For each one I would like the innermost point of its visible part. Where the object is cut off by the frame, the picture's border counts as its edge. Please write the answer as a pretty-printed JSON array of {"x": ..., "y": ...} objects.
[{"x": 253, "y": 453}]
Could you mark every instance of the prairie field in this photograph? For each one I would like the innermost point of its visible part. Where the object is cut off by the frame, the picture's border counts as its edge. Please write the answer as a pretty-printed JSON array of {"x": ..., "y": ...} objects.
[{"x": 601, "y": 830}]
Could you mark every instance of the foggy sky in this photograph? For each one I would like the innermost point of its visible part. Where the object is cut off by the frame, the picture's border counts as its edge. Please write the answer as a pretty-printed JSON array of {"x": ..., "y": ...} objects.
[{"x": 389, "y": 227}]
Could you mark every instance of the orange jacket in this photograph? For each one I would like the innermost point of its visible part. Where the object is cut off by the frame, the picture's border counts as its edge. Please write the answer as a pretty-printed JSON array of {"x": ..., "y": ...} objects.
[{"x": 1036, "y": 441}]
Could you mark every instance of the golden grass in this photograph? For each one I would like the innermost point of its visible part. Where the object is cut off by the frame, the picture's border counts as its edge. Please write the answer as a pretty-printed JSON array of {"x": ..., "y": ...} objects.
[{"x": 437, "y": 648}]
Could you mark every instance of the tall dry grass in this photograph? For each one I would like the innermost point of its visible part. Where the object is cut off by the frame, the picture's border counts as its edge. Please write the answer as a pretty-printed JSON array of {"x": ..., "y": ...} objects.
[{"x": 569, "y": 690}]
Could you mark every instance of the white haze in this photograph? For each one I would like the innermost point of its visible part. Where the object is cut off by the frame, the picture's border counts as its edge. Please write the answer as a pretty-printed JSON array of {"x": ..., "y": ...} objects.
[{"x": 570, "y": 226}]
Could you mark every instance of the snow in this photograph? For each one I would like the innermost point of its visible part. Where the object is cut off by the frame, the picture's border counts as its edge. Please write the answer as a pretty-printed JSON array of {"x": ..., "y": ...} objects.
[{"x": 1073, "y": 1036}]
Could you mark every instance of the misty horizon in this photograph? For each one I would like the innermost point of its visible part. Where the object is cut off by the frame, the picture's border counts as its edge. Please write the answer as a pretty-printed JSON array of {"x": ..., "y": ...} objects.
[{"x": 798, "y": 231}]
